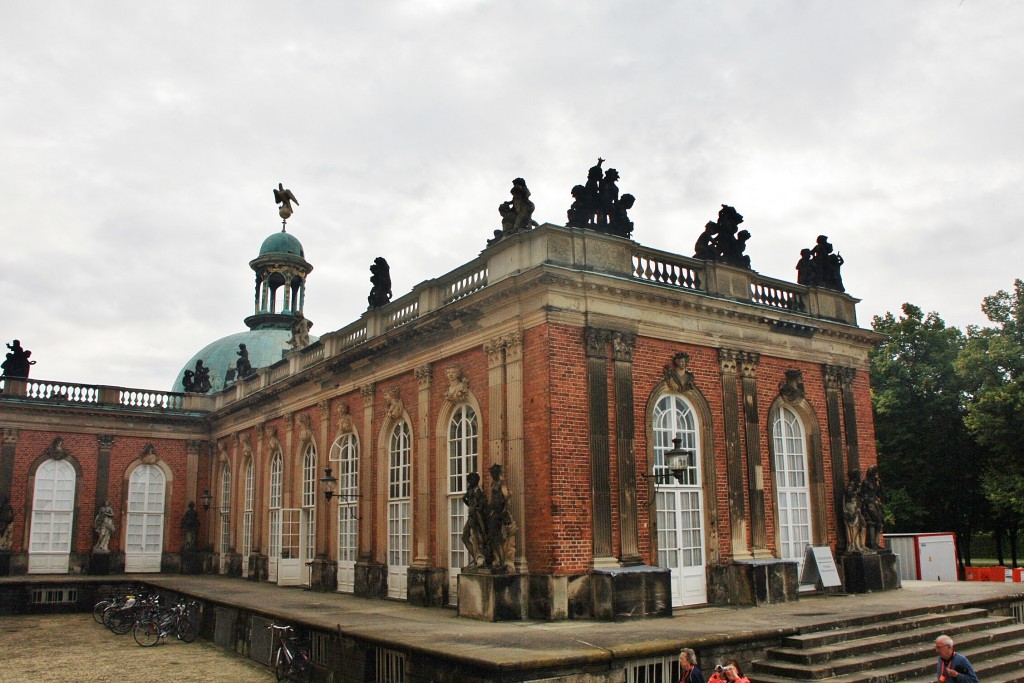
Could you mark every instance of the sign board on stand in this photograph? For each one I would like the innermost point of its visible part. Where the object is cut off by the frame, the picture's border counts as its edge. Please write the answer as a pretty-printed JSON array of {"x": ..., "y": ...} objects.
[{"x": 819, "y": 564}]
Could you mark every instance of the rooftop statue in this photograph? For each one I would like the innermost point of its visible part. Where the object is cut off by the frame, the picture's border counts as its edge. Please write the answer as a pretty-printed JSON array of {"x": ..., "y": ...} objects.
[
  {"x": 723, "y": 240},
  {"x": 197, "y": 381},
  {"x": 300, "y": 332},
  {"x": 517, "y": 213},
  {"x": 597, "y": 205},
  {"x": 243, "y": 368},
  {"x": 380, "y": 278},
  {"x": 284, "y": 198},
  {"x": 17, "y": 363},
  {"x": 819, "y": 267}
]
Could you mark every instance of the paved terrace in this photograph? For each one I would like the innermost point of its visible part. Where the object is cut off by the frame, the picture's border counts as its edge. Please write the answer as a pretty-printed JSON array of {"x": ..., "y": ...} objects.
[{"x": 513, "y": 646}]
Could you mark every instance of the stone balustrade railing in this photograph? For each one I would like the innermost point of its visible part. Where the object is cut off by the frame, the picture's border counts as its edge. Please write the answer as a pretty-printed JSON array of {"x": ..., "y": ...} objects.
[
  {"x": 73, "y": 393},
  {"x": 548, "y": 245}
]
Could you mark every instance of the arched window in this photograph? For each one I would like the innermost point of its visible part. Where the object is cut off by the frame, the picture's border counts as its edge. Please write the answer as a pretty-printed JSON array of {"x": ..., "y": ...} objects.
[
  {"x": 247, "y": 515},
  {"x": 463, "y": 449},
  {"x": 346, "y": 453},
  {"x": 680, "y": 504},
  {"x": 791, "y": 483},
  {"x": 53, "y": 505},
  {"x": 399, "y": 508},
  {"x": 274, "y": 547},
  {"x": 225, "y": 516},
  {"x": 309, "y": 479}
]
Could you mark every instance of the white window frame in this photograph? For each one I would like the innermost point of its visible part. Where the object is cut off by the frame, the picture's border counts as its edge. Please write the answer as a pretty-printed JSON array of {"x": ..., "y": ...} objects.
[
  {"x": 247, "y": 514},
  {"x": 792, "y": 485},
  {"x": 463, "y": 458},
  {"x": 345, "y": 453},
  {"x": 53, "y": 509},
  {"x": 680, "y": 508},
  {"x": 399, "y": 508}
]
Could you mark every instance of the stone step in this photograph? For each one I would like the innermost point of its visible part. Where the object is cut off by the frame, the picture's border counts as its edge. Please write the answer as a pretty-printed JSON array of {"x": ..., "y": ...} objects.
[
  {"x": 893, "y": 664},
  {"x": 820, "y": 639},
  {"x": 903, "y": 634}
]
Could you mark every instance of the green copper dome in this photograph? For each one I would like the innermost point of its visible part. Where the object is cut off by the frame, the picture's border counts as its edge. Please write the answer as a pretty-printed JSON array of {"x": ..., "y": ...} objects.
[
  {"x": 281, "y": 243},
  {"x": 265, "y": 347}
]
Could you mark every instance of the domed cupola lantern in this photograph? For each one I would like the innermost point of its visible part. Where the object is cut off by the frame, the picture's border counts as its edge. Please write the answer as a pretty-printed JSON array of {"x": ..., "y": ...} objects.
[
  {"x": 281, "y": 274},
  {"x": 277, "y": 324}
]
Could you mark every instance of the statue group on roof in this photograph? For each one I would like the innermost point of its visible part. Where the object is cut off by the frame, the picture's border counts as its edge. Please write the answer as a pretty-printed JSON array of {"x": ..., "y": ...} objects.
[
  {"x": 597, "y": 204},
  {"x": 819, "y": 267},
  {"x": 723, "y": 240},
  {"x": 197, "y": 381},
  {"x": 17, "y": 363},
  {"x": 380, "y": 278}
]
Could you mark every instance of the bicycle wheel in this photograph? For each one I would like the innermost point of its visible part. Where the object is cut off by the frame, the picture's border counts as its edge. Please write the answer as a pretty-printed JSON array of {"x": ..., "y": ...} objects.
[
  {"x": 281, "y": 670},
  {"x": 121, "y": 622},
  {"x": 97, "y": 611},
  {"x": 146, "y": 633},
  {"x": 186, "y": 629}
]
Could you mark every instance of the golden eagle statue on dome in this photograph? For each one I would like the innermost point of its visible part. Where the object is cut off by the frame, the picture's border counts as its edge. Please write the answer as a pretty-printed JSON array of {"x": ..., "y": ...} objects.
[{"x": 284, "y": 198}]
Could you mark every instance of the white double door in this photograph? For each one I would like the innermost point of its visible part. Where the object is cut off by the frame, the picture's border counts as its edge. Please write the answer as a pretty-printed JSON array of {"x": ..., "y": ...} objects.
[
  {"x": 291, "y": 531},
  {"x": 681, "y": 542},
  {"x": 53, "y": 506}
]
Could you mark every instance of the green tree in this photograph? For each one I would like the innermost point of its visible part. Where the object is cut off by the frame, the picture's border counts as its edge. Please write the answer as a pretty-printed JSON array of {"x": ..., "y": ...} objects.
[
  {"x": 992, "y": 366},
  {"x": 929, "y": 462}
]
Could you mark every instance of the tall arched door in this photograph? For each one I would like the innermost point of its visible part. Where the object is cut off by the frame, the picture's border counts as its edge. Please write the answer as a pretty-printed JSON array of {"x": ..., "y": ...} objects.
[
  {"x": 399, "y": 510},
  {"x": 53, "y": 504},
  {"x": 791, "y": 484},
  {"x": 144, "y": 538},
  {"x": 346, "y": 453},
  {"x": 680, "y": 505}
]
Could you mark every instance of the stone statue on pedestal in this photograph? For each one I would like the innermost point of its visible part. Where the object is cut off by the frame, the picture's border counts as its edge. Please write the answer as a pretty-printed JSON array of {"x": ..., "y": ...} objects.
[
  {"x": 380, "y": 278},
  {"x": 6, "y": 523},
  {"x": 474, "y": 531},
  {"x": 104, "y": 527},
  {"x": 871, "y": 508},
  {"x": 190, "y": 526},
  {"x": 243, "y": 368},
  {"x": 853, "y": 518},
  {"x": 501, "y": 529}
]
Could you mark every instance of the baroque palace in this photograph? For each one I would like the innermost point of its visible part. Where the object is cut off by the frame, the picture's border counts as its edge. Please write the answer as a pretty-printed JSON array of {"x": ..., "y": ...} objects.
[{"x": 672, "y": 431}]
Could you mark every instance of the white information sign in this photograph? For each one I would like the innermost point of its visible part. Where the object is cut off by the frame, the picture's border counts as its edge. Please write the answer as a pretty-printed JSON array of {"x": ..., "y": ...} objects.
[{"x": 820, "y": 564}]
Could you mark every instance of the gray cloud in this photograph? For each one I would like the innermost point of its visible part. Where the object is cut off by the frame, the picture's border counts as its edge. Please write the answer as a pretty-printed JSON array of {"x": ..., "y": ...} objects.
[{"x": 141, "y": 144}]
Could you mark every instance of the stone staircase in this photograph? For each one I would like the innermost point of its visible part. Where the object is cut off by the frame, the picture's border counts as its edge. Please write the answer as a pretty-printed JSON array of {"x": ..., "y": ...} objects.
[{"x": 899, "y": 648}]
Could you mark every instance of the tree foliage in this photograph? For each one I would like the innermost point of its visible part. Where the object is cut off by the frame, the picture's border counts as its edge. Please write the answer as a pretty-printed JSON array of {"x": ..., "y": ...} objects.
[
  {"x": 929, "y": 462},
  {"x": 992, "y": 367}
]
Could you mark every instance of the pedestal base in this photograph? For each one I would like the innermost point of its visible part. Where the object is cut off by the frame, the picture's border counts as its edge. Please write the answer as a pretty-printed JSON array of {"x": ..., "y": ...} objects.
[
  {"x": 323, "y": 576},
  {"x": 191, "y": 562},
  {"x": 753, "y": 582},
  {"x": 102, "y": 564},
  {"x": 428, "y": 587},
  {"x": 871, "y": 572},
  {"x": 371, "y": 580},
  {"x": 5, "y": 563},
  {"x": 624, "y": 593},
  {"x": 257, "y": 568},
  {"x": 491, "y": 597}
]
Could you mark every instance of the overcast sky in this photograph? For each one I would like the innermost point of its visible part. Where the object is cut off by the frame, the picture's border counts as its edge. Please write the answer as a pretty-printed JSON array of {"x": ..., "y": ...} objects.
[{"x": 139, "y": 143}]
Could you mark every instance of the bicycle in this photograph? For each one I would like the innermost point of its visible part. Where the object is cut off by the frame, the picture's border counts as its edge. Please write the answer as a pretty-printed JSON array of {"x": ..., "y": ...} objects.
[
  {"x": 121, "y": 618},
  {"x": 148, "y": 631},
  {"x": 291, "y": 659}
]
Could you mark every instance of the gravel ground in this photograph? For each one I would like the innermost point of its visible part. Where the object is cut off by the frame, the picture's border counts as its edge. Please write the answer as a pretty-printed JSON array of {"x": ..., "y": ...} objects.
[{"x": 72, "y": 647}]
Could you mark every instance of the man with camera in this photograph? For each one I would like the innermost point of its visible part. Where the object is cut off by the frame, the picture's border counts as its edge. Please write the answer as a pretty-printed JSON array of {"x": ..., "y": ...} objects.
[{"x": 952, "y": 667}]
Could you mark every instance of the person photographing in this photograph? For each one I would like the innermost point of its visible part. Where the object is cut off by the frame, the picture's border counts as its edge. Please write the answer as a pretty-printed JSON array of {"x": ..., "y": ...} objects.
[{"x": 730, "y": 671}]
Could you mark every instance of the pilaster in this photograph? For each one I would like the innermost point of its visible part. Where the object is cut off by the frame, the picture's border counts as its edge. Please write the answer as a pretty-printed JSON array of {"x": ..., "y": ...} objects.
[
  {"x": 833, "y": 409},
  {"x": 622, "y": 354},
  {"x": 747, "y": 363},
  {"x": 10, "y": 444},
  {"x": 515, "y": 466},
  {"x": 727, "y": 363},
  {"x": 367, "y": 507},
  {"x": 422, "y": 491},
  {"x": 600, "y": 456}
]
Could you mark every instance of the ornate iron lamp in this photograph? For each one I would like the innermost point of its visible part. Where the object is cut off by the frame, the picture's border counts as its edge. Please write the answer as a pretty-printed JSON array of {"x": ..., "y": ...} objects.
[
  {"x": 207, "y": 499},
  {"x": 328, "y": 481}
]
